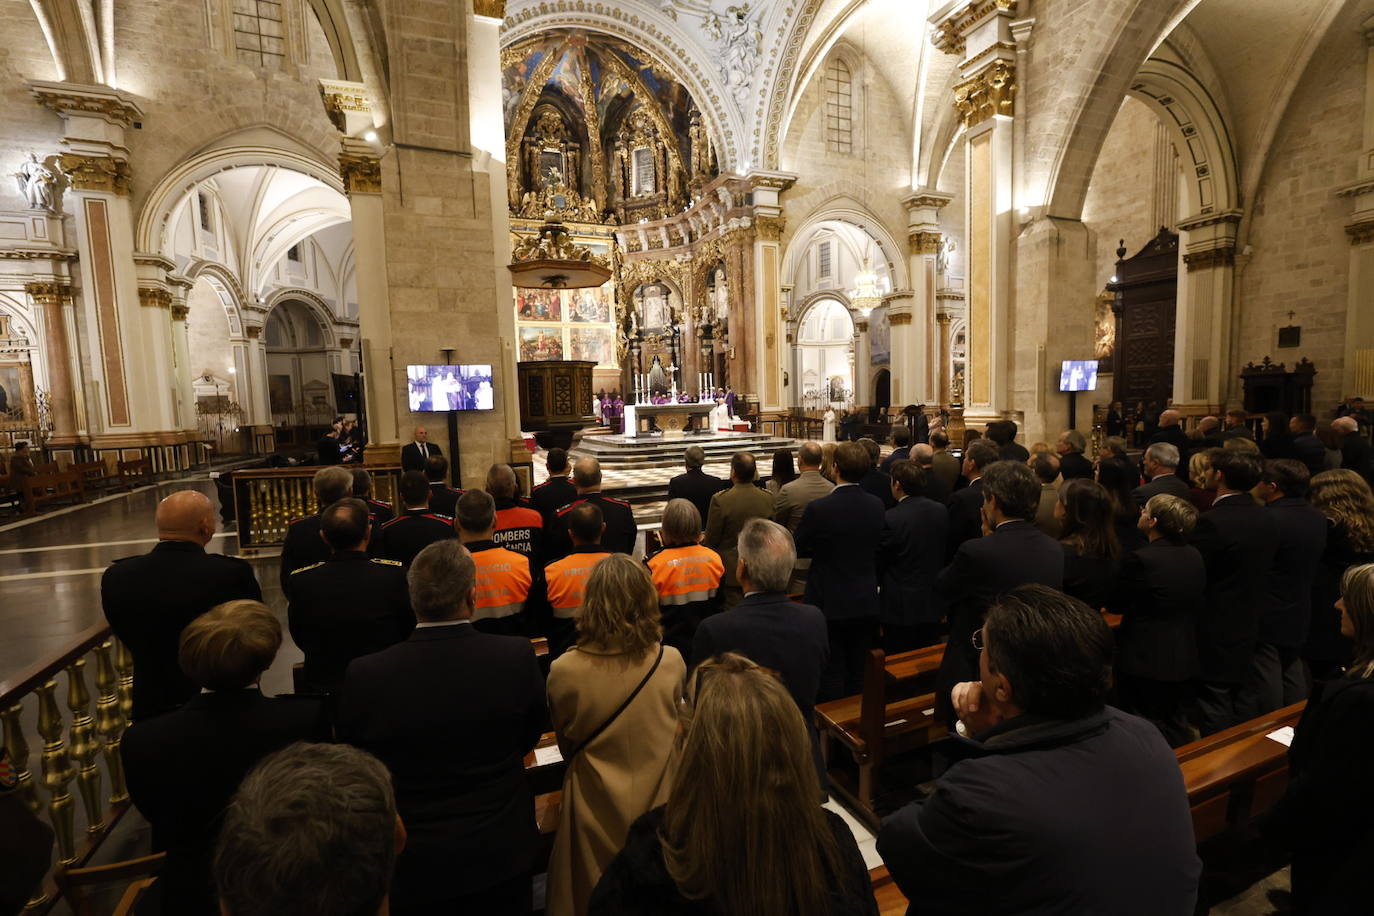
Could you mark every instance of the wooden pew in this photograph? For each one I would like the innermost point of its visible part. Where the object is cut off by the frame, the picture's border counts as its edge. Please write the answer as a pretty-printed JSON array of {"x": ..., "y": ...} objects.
[
  {"x": 891, "y": 900},
  {"x": 137, "y": 473},
  {"x": 60, "y": 486},
  {"x": 96, "y": 473},
  {"x": 1237, "y": 774}
]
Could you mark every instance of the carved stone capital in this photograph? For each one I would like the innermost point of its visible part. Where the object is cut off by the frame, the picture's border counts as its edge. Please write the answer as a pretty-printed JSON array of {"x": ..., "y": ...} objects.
[
  {"x": 46, "y": 292},
  {"x": 897, "y": 319},
  {"x": 861, "y": 325},
  {"x": 73, "y": 99},
  {"x": 96, "y": 173},
  {"x": 180, "y": 311},
  {"x": 950, "y": 31},
  {"x": 1212, "y": 257},
  {"x": 361, "y": 174},
  {"x": 252, "y": 331},
  {"x": 492, "y": 9},
  {"x": 922, "y": 242},
  {"x": 154, "y": 297},
  {"x": 1361, "y": 233},
  {"x": 769, "y": 228},
  {"x": 991, "y": 91}
]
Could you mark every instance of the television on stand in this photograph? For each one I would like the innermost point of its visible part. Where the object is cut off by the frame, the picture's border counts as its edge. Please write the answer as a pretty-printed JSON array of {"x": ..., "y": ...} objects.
[
  {"x": 1077, "y": 375},
  {"x": 444, "y": 388}
]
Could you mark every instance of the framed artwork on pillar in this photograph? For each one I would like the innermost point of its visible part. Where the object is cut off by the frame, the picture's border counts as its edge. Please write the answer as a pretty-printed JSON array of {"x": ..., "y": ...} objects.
[{"x": 17, "y": 401}]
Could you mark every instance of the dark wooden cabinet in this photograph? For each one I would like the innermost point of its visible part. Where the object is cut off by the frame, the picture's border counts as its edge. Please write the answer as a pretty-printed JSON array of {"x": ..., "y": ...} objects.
[
  {"x": 555, "y": 399},
  {"x": 1146, "y": 290}
]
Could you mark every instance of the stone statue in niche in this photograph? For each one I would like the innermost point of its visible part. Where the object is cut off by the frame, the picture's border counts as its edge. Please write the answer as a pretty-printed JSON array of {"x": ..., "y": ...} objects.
[
  {"x": 36, "y": 183},
  {"x": 722, "y": 295},
  {"x": 738, "y": 40},
  {"x": 947, "y": 247},
  {"x": 655, "y": 307}
]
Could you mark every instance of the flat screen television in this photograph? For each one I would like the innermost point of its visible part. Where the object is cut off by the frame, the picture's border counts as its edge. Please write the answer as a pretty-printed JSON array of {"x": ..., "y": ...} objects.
[
  {"x": 1078, "y": 375},
  {"x": 450, "y": 387}
]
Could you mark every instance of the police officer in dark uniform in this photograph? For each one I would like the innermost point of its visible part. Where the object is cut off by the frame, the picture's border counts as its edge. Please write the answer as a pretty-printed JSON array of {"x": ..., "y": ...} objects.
[
  {"x": 443, "y": 499},
  {"x": 349, "y": 605},
  {"x": 303, "y": 544},
  {"x": 416, "y": 527},
  {"x": 378, "y": 510},
  {"x": 149, "y": 599},
  {"x": 556, "y": 492},
  {"x": 619, "y": 518}
]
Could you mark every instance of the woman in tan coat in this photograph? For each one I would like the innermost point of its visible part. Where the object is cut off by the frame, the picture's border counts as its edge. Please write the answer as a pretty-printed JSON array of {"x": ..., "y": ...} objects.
[{"x": 614, "y": 702}]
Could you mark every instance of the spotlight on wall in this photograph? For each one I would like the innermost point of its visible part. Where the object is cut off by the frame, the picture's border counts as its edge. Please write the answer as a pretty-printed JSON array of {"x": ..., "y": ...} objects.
[
  {"x": 370, "y": 136},
  {"x": 232, "y": 370}
]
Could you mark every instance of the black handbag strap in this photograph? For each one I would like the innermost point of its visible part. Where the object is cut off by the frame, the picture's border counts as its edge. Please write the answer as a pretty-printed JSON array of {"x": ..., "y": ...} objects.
[{"x": 623, "y": 706}]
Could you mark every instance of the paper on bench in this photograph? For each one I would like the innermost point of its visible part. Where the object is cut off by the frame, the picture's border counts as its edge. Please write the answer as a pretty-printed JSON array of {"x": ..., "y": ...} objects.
[
  {"x": 543, "y": 756},
  {"x": 1283, "y": 736}
]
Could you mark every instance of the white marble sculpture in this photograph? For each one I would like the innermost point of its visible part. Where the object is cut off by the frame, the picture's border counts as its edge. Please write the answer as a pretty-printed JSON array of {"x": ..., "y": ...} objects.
[
  {"x": 737, "y": 54},
  {"x": 36, "y": 183}
]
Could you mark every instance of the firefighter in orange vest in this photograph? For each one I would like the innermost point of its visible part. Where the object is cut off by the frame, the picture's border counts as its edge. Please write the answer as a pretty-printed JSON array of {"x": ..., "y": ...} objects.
[
  {"x": 566, "y": 579},
  {"x": 503, "y": 576},
  {"x": 519, "y": 526},
  {"x": 686, "y": 575}
]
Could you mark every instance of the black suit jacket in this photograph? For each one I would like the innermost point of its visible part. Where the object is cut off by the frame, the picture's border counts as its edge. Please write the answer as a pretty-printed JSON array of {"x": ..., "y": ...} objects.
[
  {"x": 1355, "y": 454},
  {"x": 697, "y": 487},
  {"x": 879, "y": 483},
  {"x": 910, "y": 556},
  {"x": 452, "y": 712},
  {"x": 346, "y": 608},
  {"x": 327, "y": 450},
  {"x": 840, "y": 533},
  {"x": 1286, "y": 612},
  {"x": 1237, "y": 539},
  {"x": 1160, "y": 597},
  {"x": 621, "y": 528},
  {"x": 1014, "y": 451},
  {"x": 412, "y": 460},
  {"x": 412, "y": 531},
  {"x": 1164, "y": 483},
  {"x": 938, "y": 490},
  {"x": 965, "y": 516},
  {"x": 302, "y": 547},
  {"x": 443, "y": 499},
  {"x": 552, "y": 495},
  {"x": 1308, "y": 449},
  {"x": 182, "y": 767},
  {"x": 148, "y": 600},
  {"x": 1017, "y": 553},
  {"x": 1075, "y": 464}
]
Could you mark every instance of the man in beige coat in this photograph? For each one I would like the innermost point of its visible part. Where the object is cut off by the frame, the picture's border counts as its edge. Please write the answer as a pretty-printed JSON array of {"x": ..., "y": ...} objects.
[{"x": 730, "y": 509}]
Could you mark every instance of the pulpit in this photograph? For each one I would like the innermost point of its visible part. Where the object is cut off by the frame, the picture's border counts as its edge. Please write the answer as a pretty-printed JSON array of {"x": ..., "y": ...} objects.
[{"x": 555, "y": 399}]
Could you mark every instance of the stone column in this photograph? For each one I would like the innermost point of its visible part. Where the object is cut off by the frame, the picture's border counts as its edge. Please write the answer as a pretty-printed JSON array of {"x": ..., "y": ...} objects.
[
  {"x": 1357, "y": 374},
  {"x": 863, "y": 385},
  {"x": 900, "y": 312},
  {"x": 980, "y": 34},
  {"x": 54, "y": 302},
  {"x": 181, "y": 357},
  {"x": 916, "y": 383},
  {"x": 1202, "y": 323},
  {"x": 942, "y": 390},
  {"x": 767, "y": 291},
  {"x": 130, "y": 360},
  {"x": 253, "y": 389}
]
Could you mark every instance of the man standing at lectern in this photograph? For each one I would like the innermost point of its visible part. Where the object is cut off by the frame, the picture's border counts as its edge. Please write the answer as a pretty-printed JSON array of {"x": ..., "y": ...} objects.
[{"x": 414, "y": 454}]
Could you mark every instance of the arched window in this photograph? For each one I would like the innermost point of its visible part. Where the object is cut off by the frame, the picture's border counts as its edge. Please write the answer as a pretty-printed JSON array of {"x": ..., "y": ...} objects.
[{"x": 839, "y": 108}]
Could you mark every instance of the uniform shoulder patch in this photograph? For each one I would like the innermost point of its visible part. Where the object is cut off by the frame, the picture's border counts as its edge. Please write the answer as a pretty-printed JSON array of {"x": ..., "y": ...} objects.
[
  {"x": 304, "y": 568},
  {"x": 447, "y": 519},
  {"x": 618, "y": 502},
  {"x": 571, "y": 505},
  {"x": 385, "y": 562}
]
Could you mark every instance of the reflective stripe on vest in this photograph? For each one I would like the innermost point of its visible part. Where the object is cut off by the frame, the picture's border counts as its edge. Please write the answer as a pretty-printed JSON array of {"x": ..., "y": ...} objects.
[
  {"x": 567, "y": 581},
  {"x": 683, "y": 575},
  {"x": 503, "y": 582}
]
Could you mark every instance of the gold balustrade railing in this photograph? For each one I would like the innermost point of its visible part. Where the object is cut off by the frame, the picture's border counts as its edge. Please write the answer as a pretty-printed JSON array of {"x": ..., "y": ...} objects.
[
  {"x": 266, "y": 500},
  {"x": 72, "y": 747}
]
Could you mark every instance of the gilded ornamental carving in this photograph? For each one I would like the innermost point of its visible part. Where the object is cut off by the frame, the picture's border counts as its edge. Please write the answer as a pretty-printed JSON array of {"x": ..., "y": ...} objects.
[
  {"x": 923, "y": 242},
  {"x": 96, "y": 173},
  {"x": 154, "y": 297},
  {"x": 987, "y": 93},
  {"x": 360, "y": 174},
  {"x": 1212, "y": 257}
]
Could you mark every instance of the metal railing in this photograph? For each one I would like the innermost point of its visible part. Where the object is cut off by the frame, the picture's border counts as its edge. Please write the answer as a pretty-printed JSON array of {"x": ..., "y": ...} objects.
[{"x": 73, "y": 748}]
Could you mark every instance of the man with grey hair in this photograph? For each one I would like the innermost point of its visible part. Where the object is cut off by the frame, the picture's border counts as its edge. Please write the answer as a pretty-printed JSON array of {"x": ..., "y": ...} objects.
[
  {"x": 784, "y": 635},
  {"x": 452, "y": 712},
  {"x": 312, "y": 831},
  {"x": 935, "y": 487},
  {"x": 696, "y": 485},
  {"x": 303, "y": 545},
  {"x": 1161, "y": 464},
  {"x": 1072, "y": 462},
  {"x": 1355, "y": 451}
]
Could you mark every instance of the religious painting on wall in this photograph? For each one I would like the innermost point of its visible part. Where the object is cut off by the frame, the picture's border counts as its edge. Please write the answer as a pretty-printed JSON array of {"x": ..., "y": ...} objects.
[
  {"x": 590, "y": 305},
  {"x": 538, "y": 305},
  {"x": 651, "y": 304},
  {"x": 12, "y": 393},
  {"x": 880, "y": 338},
  {"x": 594, "y": 343},
  {"x": 279, "y": 393},
  {"x": 540, "y": 343},
  {"x": 1104, "y": 324}
]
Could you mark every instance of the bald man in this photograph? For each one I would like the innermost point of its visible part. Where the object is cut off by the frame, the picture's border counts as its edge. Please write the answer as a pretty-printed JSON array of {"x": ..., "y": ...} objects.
[
  {"x": 415, "y": 454},
  {"x": 149, "y": 599},
  {"x": 1355, "y": 450},
  {"x": 621, "y": 529}
]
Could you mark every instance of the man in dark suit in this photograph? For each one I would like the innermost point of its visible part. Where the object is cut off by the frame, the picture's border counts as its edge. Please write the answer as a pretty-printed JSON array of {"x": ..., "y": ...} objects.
[
  {"x": 1306, "y": 447},
  {"x": 911, "y": 554},
  {"x": 876, "y": 482},
  {"x": 1013, "y": 552},
  {"x": 1236, "y": 426},
  {"x": 1029, "y": 819},
  {"x": 303, "y": 545},
  {"x": 183, "y": 766},
  {"x": 1238, "y": 539},
  {"x": 1160, "y": 463},
  {"x": 841, "y": 533},
  {"x": 1277, "y": 675},
  {"x": 730, "y": 509},
  {"x": 416, "y": 527},
  {"x": 348, "y": 606},
  {"x": 935, "y": 487},
  {"x": 1003, "y": 435},
  {"x": 1072, "y": 462},
  {"x": 443, "y": 499},
  {"x": 966, "y": 505},
  {"x": 768, "y": 627},
  {"x": 1171, "y": 431},
  {"x": 621, "y": 528},
  {"x": 415, "y": 454},
  {"x": 943, "y": 464},
  {"x": 696, "y": 486},
  {"x": 452, "y": 711},
  {"x": 901, "y": 448},
  {"x": 557, "y": 491},
  {"x": 1355, "y": 450},
  {"x": 149, "y": 599}
]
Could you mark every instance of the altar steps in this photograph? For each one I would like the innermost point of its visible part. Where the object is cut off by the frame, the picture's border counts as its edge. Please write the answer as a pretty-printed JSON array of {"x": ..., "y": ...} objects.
[{"x": 649, "y": 451}]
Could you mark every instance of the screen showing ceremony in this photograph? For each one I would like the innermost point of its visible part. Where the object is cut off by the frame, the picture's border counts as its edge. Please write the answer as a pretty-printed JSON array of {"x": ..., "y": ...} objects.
[
  {"x": 1078, "y": 375},
  {"x": 450, "y": 387}
]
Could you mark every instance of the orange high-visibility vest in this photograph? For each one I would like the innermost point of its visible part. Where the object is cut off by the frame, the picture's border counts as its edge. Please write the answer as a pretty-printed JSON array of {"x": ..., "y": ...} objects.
[
  {"x": 683, "y": 575},
  {"x": 503, "y": 582},
  {"x": 567, "y": 580}
]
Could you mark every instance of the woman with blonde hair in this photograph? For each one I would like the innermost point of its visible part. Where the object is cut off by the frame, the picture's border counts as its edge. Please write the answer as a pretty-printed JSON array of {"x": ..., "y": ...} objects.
[
  {"x": 1345, "y": 499},
  {"x": 613, "y": 701},
  {"x": 741, "y": 832},
  {"x": 1201, "y": 495},
  {"x": 1322, "y": 815}
]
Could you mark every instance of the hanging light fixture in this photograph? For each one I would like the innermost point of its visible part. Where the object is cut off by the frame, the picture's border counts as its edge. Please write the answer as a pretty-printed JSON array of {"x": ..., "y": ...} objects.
[
  {"x": 551, "y": 260},
  {"x": 865, "y": 295}
]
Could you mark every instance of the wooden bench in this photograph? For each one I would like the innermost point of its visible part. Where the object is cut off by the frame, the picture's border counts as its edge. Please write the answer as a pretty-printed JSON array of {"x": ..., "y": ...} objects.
[
  {"x": 891, "y": 900},
  {"x": 96, "y": 474},
  {"x": 1237, "y": 774},
  {"x": 136, "y": 473},
  {"x": 61, "y": 486}
]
